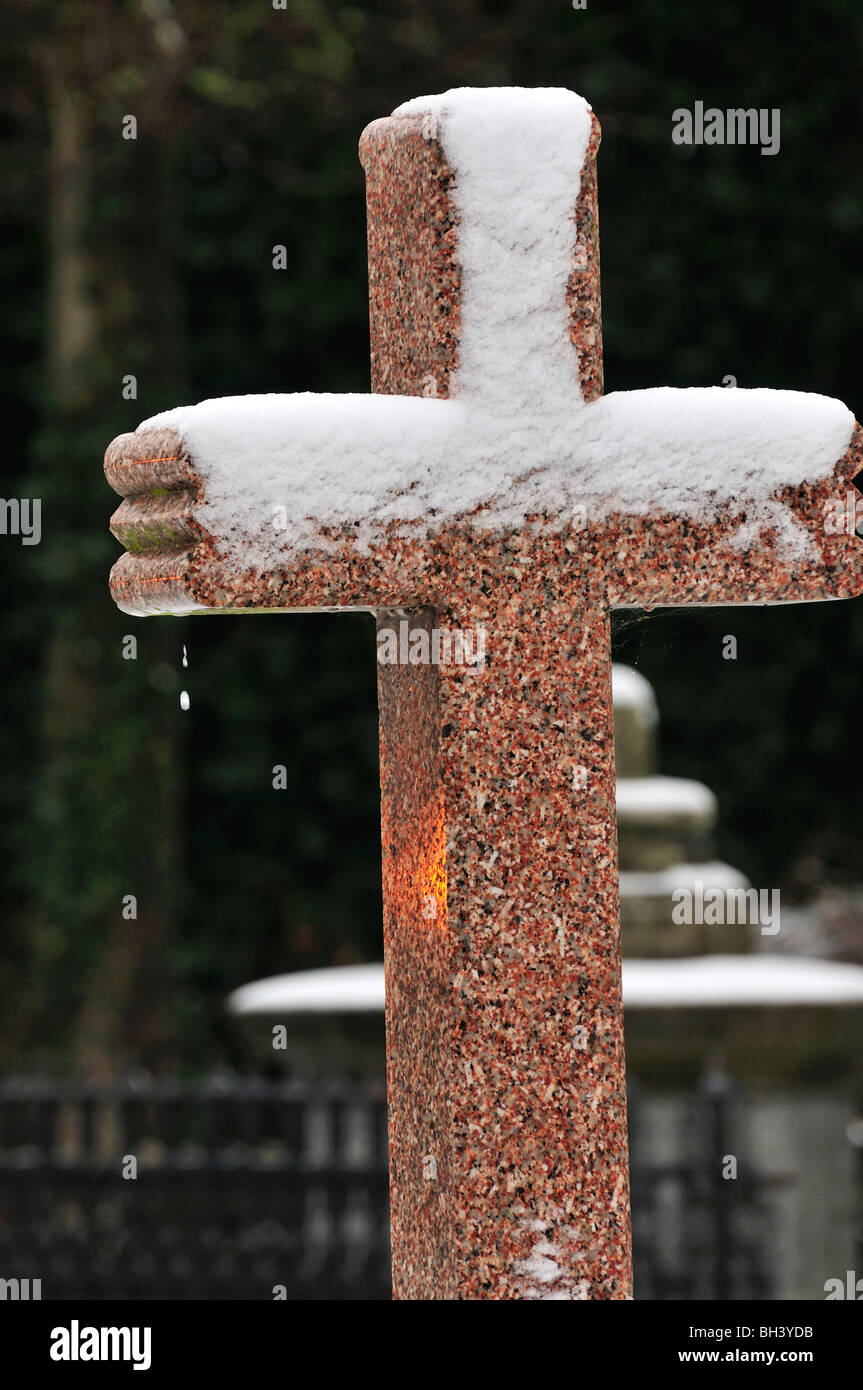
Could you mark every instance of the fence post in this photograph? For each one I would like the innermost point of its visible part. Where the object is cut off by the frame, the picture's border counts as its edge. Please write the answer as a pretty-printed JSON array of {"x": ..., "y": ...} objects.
[{"x": 717, "y": 1091}]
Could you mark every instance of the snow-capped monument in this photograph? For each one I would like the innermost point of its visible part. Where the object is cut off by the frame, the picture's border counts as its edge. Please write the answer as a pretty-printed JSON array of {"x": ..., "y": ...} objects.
[{"x": 488, "y": 484}]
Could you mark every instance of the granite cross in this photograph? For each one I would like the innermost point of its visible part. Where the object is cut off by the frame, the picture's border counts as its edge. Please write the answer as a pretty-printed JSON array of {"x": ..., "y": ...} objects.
[{"x": 488, "y": 486}]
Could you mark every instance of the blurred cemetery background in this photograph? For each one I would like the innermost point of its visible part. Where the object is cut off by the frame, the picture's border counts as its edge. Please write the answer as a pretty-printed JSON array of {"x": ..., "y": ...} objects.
[{"x": 151, "y": 259}]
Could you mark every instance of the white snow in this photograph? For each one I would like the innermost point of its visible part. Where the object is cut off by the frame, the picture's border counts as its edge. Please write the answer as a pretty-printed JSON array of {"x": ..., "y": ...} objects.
[
  {"x": 690, "y": 982},
  {"x": 540, "y": 1269},
  {"x": 630, "y": 690},
  {"x": 661, "y": 883},
  {"x": 517, "y": 438},
  {"x": 704, "y": 982},
  {"x": 540, "y": 1276},
  {"x": 366, "y": 461},
  {"x": 339, "y": 989},
  {"x": 517, "y": 154},
  {"x": 650, "y": 799}
]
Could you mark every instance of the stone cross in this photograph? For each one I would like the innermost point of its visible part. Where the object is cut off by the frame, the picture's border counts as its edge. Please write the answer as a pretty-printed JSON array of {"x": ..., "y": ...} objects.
[{"x": 510, "y": 500}]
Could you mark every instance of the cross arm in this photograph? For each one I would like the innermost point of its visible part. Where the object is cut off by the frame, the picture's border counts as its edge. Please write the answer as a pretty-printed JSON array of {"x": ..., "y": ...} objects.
[
  {"x": 197, "y": 540},
  {"x": 363, "y": 502},
  {"x": 734, "y": 542}
]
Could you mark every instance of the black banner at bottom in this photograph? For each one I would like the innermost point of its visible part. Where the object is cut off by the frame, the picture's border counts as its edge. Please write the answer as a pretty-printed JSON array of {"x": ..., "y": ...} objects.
[{"x": 251, "y": 1340}]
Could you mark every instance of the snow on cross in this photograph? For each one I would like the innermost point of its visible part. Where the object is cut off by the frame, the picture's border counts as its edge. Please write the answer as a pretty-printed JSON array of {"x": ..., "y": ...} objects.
[{"x": 489, "y": 485}]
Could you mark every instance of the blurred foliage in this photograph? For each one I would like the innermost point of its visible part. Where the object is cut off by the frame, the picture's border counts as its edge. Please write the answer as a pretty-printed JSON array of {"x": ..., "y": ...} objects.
[{"x": 156, "y": 256}]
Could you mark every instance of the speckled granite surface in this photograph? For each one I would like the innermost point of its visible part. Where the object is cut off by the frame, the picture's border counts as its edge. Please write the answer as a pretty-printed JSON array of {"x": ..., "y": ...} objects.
[{"x": 504, "y": 1019}]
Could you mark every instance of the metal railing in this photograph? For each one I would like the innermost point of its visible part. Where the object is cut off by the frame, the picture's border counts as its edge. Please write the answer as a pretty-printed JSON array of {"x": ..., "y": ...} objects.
[{"x": 231, "y": 1188}]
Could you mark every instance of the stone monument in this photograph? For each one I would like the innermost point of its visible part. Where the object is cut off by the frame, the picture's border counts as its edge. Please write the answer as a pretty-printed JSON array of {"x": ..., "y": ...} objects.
[{"x": 488, "y": 484}]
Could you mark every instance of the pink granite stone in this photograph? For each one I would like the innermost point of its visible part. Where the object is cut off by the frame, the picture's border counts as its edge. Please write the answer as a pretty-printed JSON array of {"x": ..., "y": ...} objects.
[{"x": 506, "y": 1084}]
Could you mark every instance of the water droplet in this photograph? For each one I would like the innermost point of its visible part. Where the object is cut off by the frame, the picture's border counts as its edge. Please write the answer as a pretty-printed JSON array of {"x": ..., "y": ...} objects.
[
  {"x": 185, "y": 657},
  {"x": 185, "y": 702}
]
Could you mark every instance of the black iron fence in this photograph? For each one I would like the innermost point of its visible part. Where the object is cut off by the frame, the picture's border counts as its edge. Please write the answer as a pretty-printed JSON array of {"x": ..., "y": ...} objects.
[
  {"x": 226, "y": 1188},
  {"x": 233, "y": 1188},
  {"x": 701, "y": 1224}
]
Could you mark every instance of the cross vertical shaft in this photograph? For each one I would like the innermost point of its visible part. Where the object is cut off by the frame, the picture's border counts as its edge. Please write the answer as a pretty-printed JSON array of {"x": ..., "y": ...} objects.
[
  {"x": 424, "y": 339},
  {"x": 508, "y": 1160}
]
